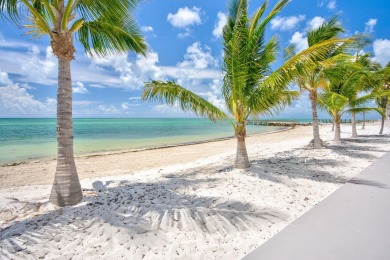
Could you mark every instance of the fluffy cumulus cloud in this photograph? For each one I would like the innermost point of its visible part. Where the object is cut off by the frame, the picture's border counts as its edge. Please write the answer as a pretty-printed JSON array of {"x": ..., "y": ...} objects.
[
  {"x": 286, "y": 23},
  {"x": 4, "y": 79},
  {"x": 132, "y": 75},
  {"x": 147, "y": 67},
  {"x": 79, "y": 88},
  {"x": 197, "y": 57},
  {"x": 214, "y": 95},
  {"x": 370, "y": 25},
  {"x": 299, "y": 41},
  {"x": 315, "y": 22},
  {"x": 40, "y": 69},
  {"x": 185, "y": 17},
  {"x": 32, "y": 66},
  {"x": 16, "y": 101},
  {"x": 382, "y": 51},
  {"x": 218, "y": 27}
]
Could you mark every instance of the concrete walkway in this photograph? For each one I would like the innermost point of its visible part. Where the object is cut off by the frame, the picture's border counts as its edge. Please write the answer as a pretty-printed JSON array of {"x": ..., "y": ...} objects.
[{"x": 352, "y": 223}]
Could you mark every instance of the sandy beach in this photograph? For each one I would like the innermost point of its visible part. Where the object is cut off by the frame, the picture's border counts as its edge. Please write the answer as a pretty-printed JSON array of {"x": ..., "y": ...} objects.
[{"x": 185, "y": 202}]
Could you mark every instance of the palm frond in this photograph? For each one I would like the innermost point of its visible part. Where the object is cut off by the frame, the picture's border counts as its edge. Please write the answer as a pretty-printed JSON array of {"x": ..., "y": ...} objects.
[
  {"x": 111, "y": 37},
  {"x": 326, "y": 31},
  {"x": 9, "y": 9},
  {"x": 173, "y": 94}
]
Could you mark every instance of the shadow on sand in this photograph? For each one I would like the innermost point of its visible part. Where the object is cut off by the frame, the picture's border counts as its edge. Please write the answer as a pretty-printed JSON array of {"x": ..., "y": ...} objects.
[{"x": 133, "y": 212}]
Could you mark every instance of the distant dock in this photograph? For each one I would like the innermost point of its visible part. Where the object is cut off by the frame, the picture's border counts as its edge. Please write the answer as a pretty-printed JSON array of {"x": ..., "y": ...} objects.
[{"x": 295, "y": 123}]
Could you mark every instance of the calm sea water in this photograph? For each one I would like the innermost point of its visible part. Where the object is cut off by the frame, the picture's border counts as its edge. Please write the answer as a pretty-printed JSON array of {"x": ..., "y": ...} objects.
[{"x": 22, "y": 139}]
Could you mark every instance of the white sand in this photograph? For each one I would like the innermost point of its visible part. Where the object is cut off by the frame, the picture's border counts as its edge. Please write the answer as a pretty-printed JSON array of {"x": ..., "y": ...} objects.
[{"x": 185, "y": 202}]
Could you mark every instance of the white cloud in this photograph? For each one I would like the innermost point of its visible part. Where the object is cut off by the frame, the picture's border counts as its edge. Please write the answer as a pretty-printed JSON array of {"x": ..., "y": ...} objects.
[
  {"x": 331, "y": 5},
  {"x": 147, "y": 68},
  {"x": 147, "y": 28},
  {"x": 4, "y": 79},
  {"x": 198, "y": 58},
  {"x": 218, "y": 26},
  {"x": 370, "y": 25},
  {"x": 125, "y": 105},
  {"x": 315, "y": 22},
  {"x": 80, "y": 89},
  {"x": 134, "y": 98},
  {"x": 382, "y": 51},
  {"x": 108, "y": 109},
  {"x": 38, "y": 69},
  {"x": 299, "y": 41},
  {"x": 286, "y": 23},
  {"x": 185, "y": 17},
  {"x": 214, "y": 96},
  {"x": 187, "y": 33},
  {"x": 133, "y": 75},
  {"x": 16, "y": 101},
  {"x": 33, "y": 66}
]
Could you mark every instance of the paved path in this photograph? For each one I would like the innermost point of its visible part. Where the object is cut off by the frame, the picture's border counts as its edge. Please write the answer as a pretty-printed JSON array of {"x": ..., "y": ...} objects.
[{"x": 352, "y": 223}]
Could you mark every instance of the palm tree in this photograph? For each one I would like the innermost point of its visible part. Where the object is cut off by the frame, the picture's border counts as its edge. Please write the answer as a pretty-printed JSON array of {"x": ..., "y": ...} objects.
[
  {"x": 103, "y": 27},
  {"x": 249, "y": 87},
  {"x": 364, "y": 68},
  {"x": 344, "y": 93},
  {"x": 314, "y": 79},
  {"x": 383, "y": 102}
]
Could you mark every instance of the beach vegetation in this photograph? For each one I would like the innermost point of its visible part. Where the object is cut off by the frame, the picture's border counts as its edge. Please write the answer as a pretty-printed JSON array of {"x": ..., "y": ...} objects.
[
  {"x": 314, "y": 78},
  {"x": 383, "y": 104},
  {"x": 250, "y": 87},
  {"x": 102, "y": 28},
  {"x": 347, "y": 89}
]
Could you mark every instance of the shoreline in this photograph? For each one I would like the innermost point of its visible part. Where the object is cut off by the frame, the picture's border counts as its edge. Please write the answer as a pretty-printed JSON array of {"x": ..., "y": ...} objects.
[
  {"x": 185, "y": 202},
  {"x": 140, "y": 149}
]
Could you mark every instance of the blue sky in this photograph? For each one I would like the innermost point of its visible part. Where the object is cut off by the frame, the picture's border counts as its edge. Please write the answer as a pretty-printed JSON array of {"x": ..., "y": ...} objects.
[{"x": 184, "y": 39}]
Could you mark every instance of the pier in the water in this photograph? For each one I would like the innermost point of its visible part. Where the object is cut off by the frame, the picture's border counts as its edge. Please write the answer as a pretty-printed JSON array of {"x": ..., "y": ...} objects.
[{"x": 293, "y": 123}]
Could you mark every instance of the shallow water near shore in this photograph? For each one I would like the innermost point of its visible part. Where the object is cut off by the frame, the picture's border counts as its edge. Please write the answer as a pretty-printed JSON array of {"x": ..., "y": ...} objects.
[{"x": 23, "y": 139}]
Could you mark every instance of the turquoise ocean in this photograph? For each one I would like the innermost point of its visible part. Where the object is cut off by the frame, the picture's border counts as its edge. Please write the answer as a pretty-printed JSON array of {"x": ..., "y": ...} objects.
[{"x": 23, "y": 139}]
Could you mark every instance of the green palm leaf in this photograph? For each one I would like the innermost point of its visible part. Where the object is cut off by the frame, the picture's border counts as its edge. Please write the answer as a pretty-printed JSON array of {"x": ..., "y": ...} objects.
[{"x": 173, "y": 94}]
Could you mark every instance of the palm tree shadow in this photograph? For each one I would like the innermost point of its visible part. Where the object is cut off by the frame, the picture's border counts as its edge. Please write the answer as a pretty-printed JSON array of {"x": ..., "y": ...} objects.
[
  {"x": 356, "y": 147},
  {"x": 299, "y": 165},
  {"x": 131, "y": 210}
]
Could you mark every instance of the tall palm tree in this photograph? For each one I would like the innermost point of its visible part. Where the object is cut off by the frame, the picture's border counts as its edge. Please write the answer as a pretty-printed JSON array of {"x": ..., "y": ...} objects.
[
  {"x": 249, "y": 87},
  {"x": 102, "y": 27},
  {"x": 314, "y": 79}
]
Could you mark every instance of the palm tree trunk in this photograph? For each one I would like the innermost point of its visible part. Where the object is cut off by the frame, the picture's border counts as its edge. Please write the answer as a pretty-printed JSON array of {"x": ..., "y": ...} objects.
[
  {"x": 66, "y": 188},
  {"x": 242, "y": 161},
  {"x": 353, "y": 123},
  {"x": 384, "y": 116},
  {"x": 364, "y": 121},
  {"x": 382, "y": 125},
  {"x": 316, "y": 131},
  {"x": 337, "y": 133},
  {"x": 333, "y": 126}
]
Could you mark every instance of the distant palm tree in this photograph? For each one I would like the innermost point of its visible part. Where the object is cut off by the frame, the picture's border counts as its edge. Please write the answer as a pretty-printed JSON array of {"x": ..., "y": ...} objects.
[
  {"x": 103, "y": 27},
  {"x": 364, "y": 68},
  {"x": 383, "y": 76},
  {"x": 314, "y": 79},
  {"x": 249, "y": 87},
  {"x": 343, "y": 92}
]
